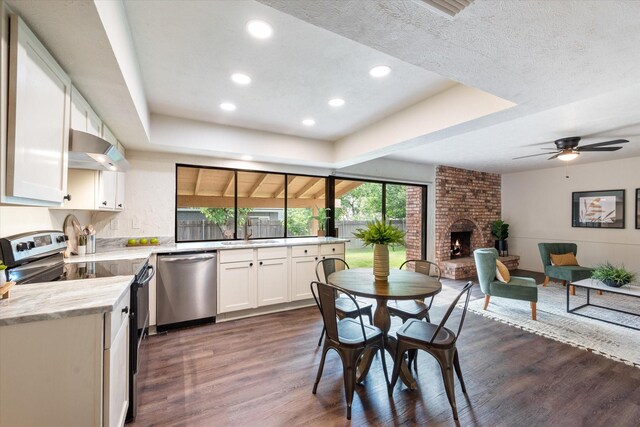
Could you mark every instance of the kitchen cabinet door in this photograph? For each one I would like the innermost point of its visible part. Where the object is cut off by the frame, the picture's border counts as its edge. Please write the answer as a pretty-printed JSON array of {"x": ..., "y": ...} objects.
[
  {"x": 303, "y": 272},
  {"x": 237, "y": 286},
  {"x": 82, "y": 115},
  {"x": 108, "y": 190},
  {"x": 273, "y": 283},
  {"x": 108, "y": 136},
  {"x": 38, "y": 122},
  {"x": 120, "y": 190},
  {"x": 116, "y": 378}
]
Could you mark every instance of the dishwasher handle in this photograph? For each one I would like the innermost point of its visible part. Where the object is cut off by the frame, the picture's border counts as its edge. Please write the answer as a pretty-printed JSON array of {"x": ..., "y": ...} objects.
[{"x": 186, "y": 258}]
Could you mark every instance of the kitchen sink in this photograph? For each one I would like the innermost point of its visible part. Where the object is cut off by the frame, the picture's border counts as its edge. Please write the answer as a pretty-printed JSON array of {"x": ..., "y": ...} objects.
[{"x": 249, "y": 242}]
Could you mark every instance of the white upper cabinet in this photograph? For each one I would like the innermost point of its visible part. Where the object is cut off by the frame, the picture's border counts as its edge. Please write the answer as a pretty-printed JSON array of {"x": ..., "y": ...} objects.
[
  {"x": 108, "y": 136},
  {"x": 38, "y": 122},
  {"x": 82, "y": 115}
]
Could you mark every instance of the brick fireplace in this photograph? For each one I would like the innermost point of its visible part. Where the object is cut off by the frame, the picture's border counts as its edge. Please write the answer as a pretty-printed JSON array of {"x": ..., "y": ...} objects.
[{"x": 466, "y": 202}]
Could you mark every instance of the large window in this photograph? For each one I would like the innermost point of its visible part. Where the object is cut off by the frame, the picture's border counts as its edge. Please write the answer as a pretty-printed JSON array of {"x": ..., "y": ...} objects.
[
  {"x": 358, "y": 202},
  {"x": 305, "y": 195},
  {"x": 223, "y": 204},
  {"x": 260, "y": 212}
]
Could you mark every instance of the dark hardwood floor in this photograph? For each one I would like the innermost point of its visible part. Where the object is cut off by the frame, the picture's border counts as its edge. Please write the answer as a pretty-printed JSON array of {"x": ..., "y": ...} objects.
[{"x": 260, "y": 371}]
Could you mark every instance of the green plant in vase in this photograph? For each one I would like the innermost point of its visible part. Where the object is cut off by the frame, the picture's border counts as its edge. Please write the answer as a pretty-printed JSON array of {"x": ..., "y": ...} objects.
[
  {"x": 380, "y": 235},
  {"x": 500, "y": 230},
  {"x": 3, "y": 273},
  {"x": 613, "y": 276}
]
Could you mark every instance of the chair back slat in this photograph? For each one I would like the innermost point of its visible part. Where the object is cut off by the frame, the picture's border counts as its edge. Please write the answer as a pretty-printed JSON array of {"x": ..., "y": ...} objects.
[
  {"x": 328, "y": 266},
  {"x": 423, "y": 266},
  {"x": 325, "y": 296},
  {"x": 466, "y": 289}
]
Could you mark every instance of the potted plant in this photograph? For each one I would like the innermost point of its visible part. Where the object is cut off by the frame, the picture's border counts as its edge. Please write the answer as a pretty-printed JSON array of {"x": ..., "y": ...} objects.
[
  {"x": 613, "y": 276},
  {"x": 500, "y": 230},
  {"x": 322, "y": 217},
  {"x": 380, "y": 234},
  {"x": 3, "y": 273}
]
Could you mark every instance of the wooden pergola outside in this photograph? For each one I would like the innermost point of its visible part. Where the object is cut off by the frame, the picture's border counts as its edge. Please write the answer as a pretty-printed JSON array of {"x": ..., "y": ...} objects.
[{"x": 214, "y": 188}]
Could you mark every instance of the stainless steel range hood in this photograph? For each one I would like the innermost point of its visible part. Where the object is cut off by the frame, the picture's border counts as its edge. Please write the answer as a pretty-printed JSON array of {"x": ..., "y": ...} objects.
[{"x": 87, "y": 151}]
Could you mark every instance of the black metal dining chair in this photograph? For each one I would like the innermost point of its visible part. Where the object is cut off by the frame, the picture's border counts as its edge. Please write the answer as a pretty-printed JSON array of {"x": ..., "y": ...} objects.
[
  {"x": 438, "y": 341},
  {"x": 344, "y": 306},
  {"x": 418, "y": 308},
  {"x": 348, "y": 337},
  {"x": 415, "y": 308}
]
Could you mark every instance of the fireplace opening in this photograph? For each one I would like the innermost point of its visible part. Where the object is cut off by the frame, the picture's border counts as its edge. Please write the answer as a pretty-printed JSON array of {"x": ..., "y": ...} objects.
[{"x": 460, "y": 244}]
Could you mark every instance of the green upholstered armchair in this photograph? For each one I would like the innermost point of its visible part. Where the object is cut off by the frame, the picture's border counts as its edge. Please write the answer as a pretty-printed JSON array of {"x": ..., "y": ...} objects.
[
  {"x": 570, "y": 273},
  {"x": 520, "y": 288}
]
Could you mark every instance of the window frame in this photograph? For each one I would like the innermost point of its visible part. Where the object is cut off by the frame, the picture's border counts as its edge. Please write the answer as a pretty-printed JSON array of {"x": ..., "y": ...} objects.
[{"x": 235, "y": 171}]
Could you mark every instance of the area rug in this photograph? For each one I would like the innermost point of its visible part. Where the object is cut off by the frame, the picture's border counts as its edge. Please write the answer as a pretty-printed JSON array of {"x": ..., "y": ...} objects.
[{"x": 612, "y": 341}]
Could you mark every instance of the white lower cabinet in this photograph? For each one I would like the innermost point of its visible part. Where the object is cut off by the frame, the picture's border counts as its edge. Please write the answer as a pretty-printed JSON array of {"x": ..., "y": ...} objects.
[
  {"x": 251, "y": 278},
  {"x": 238, "y": 291},
  {"x": 303, "y": 272},
  {"x": 273, "y": 276},
  {"x": 67, "y": 372}
]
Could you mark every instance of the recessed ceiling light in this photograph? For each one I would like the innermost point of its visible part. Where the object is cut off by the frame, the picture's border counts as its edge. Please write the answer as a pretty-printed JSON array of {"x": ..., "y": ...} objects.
[
  {"x": 241, "y": 79},
  {"x": 246, "y": 157},
  {"x": 259, "y": 29},
  {"x": 336, "y": 102},
  {"x": 308, "y": 122},
  {"x": 227, "y": 106},
  {"x": 380, "y": 71}
]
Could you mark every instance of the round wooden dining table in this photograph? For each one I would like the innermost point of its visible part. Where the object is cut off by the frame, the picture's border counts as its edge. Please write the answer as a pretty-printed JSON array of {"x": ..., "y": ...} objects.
[{"x": 401, "y": 284}]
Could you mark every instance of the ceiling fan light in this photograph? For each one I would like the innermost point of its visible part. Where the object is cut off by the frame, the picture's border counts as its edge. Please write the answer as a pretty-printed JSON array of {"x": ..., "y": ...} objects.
[{"x": 567, "y": 156}]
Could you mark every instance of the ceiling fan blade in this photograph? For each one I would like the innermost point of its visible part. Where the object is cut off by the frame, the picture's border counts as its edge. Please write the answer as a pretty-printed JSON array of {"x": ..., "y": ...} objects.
[
  {"x": 532, "y": 155},
  {"x": 602, "y": 144},
  {"x": 586, "y": 148},
  {"x": 553, "y": 157}
]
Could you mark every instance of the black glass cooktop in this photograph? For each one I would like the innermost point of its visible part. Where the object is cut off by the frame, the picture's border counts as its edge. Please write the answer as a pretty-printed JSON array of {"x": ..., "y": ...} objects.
[{"x": 54, "y": 269}]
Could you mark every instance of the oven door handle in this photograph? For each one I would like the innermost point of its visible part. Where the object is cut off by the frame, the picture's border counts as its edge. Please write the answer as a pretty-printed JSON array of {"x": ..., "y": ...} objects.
[{"x": 148, "y": 276}]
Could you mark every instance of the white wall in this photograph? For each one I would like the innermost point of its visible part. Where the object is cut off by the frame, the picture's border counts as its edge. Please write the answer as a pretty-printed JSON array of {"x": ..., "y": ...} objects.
[
  {"x": 20, "y": 219},
  {"x": 537, "y": 205}
]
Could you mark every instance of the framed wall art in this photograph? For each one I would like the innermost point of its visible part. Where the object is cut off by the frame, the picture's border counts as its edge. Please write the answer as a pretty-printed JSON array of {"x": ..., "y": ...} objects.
[
  {"x": 638, "y": 208},
  {"x": 598, "y": 209}
]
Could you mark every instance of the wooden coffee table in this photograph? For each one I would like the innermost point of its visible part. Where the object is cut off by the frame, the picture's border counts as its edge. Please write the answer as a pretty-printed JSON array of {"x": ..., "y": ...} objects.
[{"x": 597, "y": 285}]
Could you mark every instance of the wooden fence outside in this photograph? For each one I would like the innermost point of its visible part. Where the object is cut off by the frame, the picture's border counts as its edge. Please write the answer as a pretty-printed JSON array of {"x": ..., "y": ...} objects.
[{"x": 207, "y": 230}]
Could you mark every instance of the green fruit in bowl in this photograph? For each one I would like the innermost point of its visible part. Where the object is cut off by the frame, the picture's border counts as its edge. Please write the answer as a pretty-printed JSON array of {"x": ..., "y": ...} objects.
[
  {"x": 154, "y": 240},
  {"x": 144, "y": 241},
  {"x": 132, "y": 242}
]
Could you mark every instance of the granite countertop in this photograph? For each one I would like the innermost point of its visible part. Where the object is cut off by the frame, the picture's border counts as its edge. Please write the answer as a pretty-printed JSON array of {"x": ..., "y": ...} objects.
[
  {"x": 56, "y": 300},
  {"x": 145, "y": 251}
]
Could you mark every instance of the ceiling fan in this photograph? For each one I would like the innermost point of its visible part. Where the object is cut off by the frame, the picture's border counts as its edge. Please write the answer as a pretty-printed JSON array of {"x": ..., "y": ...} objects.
[{"x": 568, "y": 149}]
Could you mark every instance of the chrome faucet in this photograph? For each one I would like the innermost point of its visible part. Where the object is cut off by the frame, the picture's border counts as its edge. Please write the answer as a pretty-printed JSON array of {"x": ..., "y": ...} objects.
[{"x": 247, "y": 231}]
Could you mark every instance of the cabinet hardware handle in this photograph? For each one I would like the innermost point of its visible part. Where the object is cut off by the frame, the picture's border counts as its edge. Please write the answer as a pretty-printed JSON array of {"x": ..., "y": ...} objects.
[
  {"x": 120, "y": 205},
  {"x": 324, "y": 257},
  {"x": 305, "y": 251},
  {"x": 316, "y": 258},
  {"x": 125, "y": 310},
  {"x": 333, "y": 249},
  {"x": 104, "y": 203},
  {"x": 250, "y": 264},
  {"x": 260, "y": 262},
  {"x": 67, "y": 197}
]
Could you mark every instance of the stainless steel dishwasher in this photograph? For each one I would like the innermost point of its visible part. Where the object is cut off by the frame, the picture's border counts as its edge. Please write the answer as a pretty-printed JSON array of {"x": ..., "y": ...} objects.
[{"x": 186, "y": 289}]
